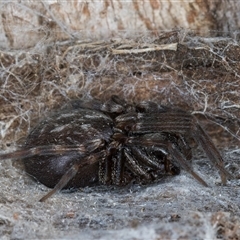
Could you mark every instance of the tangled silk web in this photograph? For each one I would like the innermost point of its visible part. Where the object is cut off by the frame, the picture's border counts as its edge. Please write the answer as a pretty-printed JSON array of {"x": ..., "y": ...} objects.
[{"x": 197, "y": 74}]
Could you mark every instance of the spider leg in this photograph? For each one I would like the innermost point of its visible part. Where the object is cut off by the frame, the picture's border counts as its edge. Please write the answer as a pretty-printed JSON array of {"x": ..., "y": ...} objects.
[
  {"x": 63, "y": 181},
  {"x": 178, "y": 122},
  {"x": 172, "y": 122},
  {"x": 111, "y": 166},
  {"x": 211, "y": 151},
  {"x": 43, "y": 150},
  {"x": 134, "y": 166},
  {"x": 141, "y": 156},
  {"x": 118, "y": 167},
  {"x": 178, "y": 158},
  {"x": 70, "y": 174},
  {"x": 104, "y": 172},
  {"x": 82, "y": 149}
]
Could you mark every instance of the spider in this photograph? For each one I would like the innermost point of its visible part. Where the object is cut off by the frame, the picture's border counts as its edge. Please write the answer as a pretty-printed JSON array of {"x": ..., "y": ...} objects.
[{"x": 113, "y": 143}]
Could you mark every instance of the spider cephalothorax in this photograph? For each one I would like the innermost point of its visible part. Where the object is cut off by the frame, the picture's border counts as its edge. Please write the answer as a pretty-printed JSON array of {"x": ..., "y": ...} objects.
[{"x": 113, "y": 143}]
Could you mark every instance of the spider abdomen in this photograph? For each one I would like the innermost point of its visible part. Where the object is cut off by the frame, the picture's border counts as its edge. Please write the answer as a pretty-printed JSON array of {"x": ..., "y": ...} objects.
[{"x": 80, "y": 127}]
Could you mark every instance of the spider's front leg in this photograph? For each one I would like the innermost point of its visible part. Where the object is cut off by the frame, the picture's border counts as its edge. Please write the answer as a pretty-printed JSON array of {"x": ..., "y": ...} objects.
[
  {"x": 202, "y": 138},
  {"x": 179, "y": 123},
  {"x": 170, "y": 148}
]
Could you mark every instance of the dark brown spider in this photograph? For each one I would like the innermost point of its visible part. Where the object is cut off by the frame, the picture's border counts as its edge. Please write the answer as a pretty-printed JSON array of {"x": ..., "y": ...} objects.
[{"x": 113, "y": 143}]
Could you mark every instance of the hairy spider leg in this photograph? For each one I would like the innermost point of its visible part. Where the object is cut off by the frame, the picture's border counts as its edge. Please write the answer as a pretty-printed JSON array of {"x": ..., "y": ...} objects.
[
  {"x": 181, "y": 123},
  {"x": 111, "y": 166},
  {"x": 162, "y": 163},
  {"x": 178, "y": 158},
  {"x": 129, "y": 156},
  {"x": 53, "y": 150},
  {"x": 105, "y": 168},
  {"x": 211, "y": 151},
  {"x": 142, "y": 157},
  {"x": 58, "y": 149},
  {"x": 134, "y": 165},
  {"x": 118, "y": 167},
  {"x": 70, "y": 173},
  {"x": 43, "y": 151}
]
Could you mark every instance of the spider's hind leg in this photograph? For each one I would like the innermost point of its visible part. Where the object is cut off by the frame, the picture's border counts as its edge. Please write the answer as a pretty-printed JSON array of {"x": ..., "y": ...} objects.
[{"x": 72, "y": 171}]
